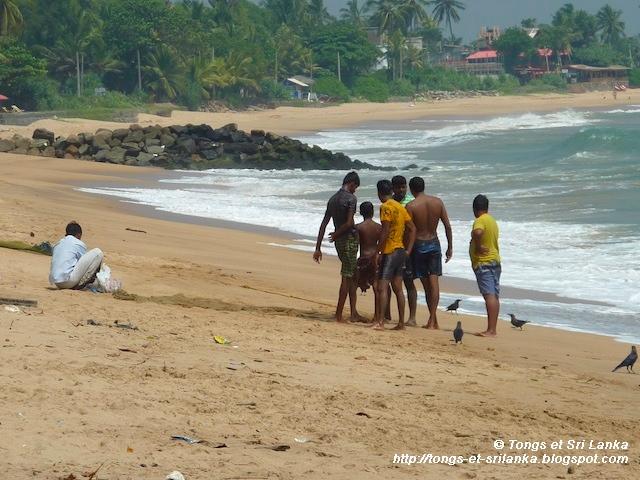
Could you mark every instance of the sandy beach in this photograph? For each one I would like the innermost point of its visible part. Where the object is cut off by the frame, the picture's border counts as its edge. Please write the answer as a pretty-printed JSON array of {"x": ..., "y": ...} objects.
[
  {"x": 78, "y": 395},
  {"x": 295, "y": 120}
]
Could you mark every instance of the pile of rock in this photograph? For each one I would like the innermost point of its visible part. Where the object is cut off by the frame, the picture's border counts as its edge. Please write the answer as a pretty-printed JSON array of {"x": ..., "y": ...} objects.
[
  {"x": 436, "y": 95},
  {"x": 191, "y": 147}
]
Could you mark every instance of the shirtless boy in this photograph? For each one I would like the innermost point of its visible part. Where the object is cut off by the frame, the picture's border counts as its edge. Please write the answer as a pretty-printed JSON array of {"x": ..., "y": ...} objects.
[
  {"x": 427, "y": 211},
  {"x": 368, "y": 233}
]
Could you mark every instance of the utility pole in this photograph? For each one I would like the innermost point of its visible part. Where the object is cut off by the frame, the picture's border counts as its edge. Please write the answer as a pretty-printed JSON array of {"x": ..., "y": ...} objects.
[
  {"x": 139, "y": 71},
  {"x": 77, "y": 73},
  {"x": 81, "y": 72},
  {"x": 275, "y": 72},
  {"x": 339, "y": 72}
]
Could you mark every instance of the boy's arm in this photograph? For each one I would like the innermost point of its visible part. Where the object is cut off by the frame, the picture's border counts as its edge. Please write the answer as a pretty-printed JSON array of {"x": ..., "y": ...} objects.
[
  {"x": 317, "y": 255},
  {"x": 344, "y": 228},
  {"x": 411, "y": 230},
  {"x": 384, "y": 235},
  {"x": 476, "y": 236},
  {"x": 444, "y": 216}
]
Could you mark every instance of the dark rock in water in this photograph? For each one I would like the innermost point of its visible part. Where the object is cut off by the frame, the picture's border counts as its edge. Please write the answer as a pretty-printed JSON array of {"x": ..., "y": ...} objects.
[
  {"x": 246, "y": 148},
  {"x": 44, "y": 134}
]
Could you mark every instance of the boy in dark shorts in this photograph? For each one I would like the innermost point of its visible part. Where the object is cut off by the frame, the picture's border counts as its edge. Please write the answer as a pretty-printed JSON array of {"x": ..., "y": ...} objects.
[
  {"x": 341, "y": 208},
  {"x": 427, "y": 212},
  {"x": 392, "y": 253},
  {"x": 368, "y": 234},
  {"x": 403, "y": 197}
]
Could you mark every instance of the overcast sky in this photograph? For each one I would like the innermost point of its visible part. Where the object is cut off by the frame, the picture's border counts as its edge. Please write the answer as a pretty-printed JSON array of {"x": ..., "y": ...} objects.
[{"x": 506, "y": 13}]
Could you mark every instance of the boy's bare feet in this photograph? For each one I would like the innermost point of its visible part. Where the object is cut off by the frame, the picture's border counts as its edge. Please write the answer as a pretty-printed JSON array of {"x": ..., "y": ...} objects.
[
  {"x": 378, "y": 326},
  {"x": 398, "y": 327},
  {"x": 486, "y": 334},
  {"x": 411, "y": 323}
]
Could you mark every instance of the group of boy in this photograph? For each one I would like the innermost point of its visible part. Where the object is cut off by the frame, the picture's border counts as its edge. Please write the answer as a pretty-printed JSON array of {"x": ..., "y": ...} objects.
[{"x": 404, "y": 247}]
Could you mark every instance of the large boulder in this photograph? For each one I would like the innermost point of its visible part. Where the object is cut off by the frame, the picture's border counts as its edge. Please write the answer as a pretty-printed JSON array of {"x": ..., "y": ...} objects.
[
  {"x": 116, "y": 155},
  {"x": 44, "y": 134},
  {"x": 7, "y": 145}
]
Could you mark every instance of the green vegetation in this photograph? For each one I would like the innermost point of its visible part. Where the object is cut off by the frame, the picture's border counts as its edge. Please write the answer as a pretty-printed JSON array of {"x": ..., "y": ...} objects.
[
  {"x": 634, "y": 77},
  {"x": 98, "y": 56}
]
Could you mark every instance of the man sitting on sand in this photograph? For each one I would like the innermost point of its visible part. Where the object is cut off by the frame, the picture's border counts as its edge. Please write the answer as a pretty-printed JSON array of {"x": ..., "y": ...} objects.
[
  {"x": 403, "y": 197},
  {"x": 427, "y": 211},
  {"x": 392, "y": 253},
  {"x": 71, "y": 265},
  {"x": 485, "y": 261},
  {"x": 368, "y": 234},
  {"x": 341, "y": 208}
]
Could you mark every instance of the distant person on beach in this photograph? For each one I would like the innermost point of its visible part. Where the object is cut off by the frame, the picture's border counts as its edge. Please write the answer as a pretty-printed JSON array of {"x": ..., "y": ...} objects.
[
  {"x": 392, "y": 252},
  {"x": 72, "y": 267},
  {"x": 341, "y": 208},
  {"x": 485, "y": 261},
  {"x": 427, "y": 212},
  {"x": 403, "y": 197},
  {"x": 368, "y": 234}
]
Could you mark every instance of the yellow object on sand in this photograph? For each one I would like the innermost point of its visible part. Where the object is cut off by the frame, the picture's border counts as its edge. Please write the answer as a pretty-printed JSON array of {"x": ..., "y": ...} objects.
[{"x": 221, "y": 340}]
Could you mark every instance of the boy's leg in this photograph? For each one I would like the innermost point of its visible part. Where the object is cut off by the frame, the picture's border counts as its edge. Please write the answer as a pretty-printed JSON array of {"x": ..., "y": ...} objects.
[
  {"x": 383, "y": 301},
  {"x": 432, "y": 286},
  {"x": 412, "y": 298},
  {"x": 396, "y": 284},
  {"x": 492, "y": 303},
  {"x": 342, "y": 298}
]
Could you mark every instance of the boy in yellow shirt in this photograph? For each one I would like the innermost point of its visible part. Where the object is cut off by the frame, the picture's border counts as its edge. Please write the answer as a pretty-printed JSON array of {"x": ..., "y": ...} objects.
[
  {"x": 392, "y": 254},
  {"x": 484, "y": 252}
]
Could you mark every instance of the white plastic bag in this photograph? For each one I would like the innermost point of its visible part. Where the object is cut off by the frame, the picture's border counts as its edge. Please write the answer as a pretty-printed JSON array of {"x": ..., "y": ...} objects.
[{"x": 106, "y": 283}]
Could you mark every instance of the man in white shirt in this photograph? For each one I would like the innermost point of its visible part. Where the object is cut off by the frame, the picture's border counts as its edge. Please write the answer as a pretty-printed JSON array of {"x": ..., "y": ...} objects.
[{"x": 71, "y": 265}]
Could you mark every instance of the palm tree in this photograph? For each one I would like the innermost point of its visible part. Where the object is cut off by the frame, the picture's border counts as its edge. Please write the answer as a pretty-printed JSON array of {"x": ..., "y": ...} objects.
[
  {"x": 447, "y": 10},
  {"x": 353, "y": 13},
  {"x": 163, "y": 72},
  {"x": 610, "y": 24},
  {"x": 397, "y": 45},
  {"x": 10, "y": 17},
  {"x": 387, "y": 15},
  {"x": 415, "y": 12}
]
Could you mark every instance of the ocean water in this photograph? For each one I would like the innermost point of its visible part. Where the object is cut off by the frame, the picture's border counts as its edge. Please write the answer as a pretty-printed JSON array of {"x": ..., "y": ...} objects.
[{"x": 564, "y": 187}]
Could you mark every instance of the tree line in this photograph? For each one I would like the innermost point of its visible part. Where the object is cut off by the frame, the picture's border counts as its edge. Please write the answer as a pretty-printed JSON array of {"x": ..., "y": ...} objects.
[{"x": 60, "y": 52}]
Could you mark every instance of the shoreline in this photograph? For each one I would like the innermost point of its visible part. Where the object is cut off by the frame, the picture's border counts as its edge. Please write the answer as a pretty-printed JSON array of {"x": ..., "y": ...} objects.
[
  {"x": 294, "y": 121},
  {"x": 356, "y": 396}
]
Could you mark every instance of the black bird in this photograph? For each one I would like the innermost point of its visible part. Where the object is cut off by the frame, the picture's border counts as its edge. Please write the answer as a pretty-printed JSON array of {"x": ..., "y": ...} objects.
[
  {"x": 629, "y": 361},
  {"x": 516, "y": 322},
  {"x": 454, "y": 306},
  {"x": 458, "y": 333}
]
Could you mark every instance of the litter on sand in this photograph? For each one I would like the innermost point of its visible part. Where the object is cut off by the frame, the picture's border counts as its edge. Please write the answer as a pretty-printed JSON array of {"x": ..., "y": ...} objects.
[
  {"x": 220, "y": 340},
  {"x": 175, "y": 476},
  {"x": 12, "y": 309},
  {"x": 23, "y": 302},
  {"x": 235, "y": 365},
  {"x": 280, "y": 448},
  {"x": 301, "y": 439},
  {"x": 189, "y": 440}
]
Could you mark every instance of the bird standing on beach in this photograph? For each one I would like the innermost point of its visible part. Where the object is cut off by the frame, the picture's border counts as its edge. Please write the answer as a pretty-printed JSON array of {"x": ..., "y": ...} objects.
[
  {"x": 629, "y": 361},
  {"x": 517, "y": 322},
  {"x": 454, "y": 306},
  {"x": 458, "y": 333}
]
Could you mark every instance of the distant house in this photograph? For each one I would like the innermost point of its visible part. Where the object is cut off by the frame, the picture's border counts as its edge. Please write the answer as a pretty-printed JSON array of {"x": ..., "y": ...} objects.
[
  {"x": 487, "y": 36},
  {"x": 483, "y": 62},
  {"x": 300, "y": 87},
  {"x": 585, "y": 77}
]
